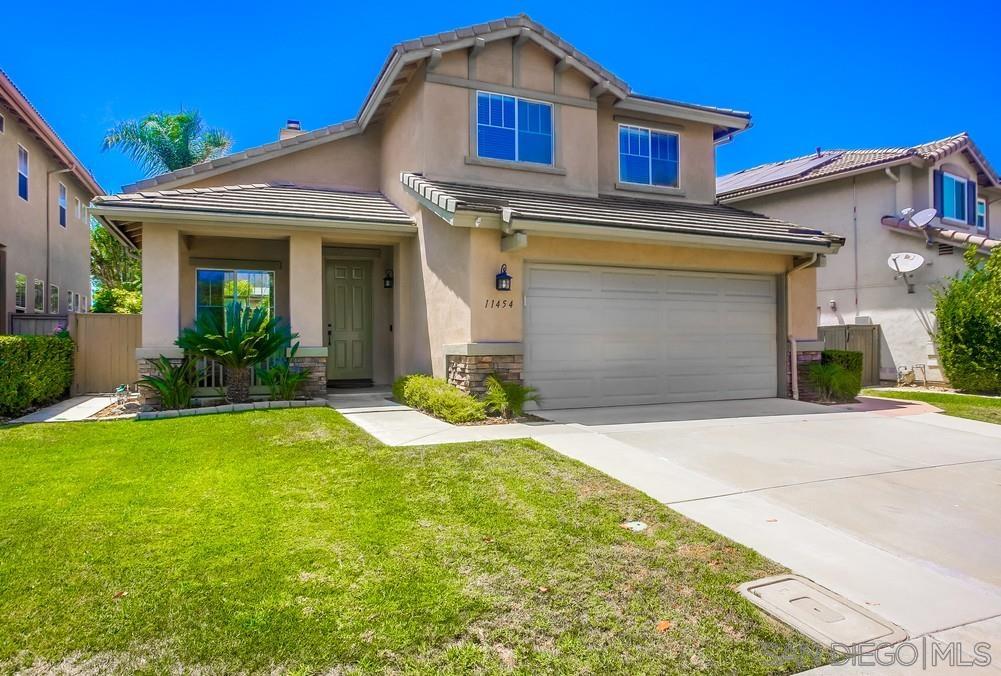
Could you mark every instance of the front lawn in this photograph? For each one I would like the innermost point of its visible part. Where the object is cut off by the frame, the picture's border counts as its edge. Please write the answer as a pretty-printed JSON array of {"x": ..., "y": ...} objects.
[
  {"x": 986, "y": 409},
  {"x": 289, "y": 540}
]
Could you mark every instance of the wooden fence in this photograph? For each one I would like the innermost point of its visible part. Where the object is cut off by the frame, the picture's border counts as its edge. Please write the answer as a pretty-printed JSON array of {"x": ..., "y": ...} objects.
[
  {"x": 36, "y": 324},
  {"x": 864, "y": 338},
  {"x": 105, "y": 350}
]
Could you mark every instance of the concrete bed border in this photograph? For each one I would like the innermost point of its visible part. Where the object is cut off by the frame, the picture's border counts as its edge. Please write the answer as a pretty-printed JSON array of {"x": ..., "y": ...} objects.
[{"x": 231, "y": 408}]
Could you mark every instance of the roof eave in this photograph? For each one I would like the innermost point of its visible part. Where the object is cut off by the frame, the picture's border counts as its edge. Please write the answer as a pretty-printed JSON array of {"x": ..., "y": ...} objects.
[
  {"x": 736, "y": 121},
  {"x": 725, "y": 198}
]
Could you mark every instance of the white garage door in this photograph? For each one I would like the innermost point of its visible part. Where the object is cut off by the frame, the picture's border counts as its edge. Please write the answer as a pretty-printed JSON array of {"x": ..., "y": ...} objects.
[{"x": 597, "y": 336}]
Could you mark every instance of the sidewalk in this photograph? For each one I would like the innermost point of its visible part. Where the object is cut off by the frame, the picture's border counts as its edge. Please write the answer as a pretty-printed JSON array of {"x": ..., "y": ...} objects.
[{"x": 70, "y": 410}]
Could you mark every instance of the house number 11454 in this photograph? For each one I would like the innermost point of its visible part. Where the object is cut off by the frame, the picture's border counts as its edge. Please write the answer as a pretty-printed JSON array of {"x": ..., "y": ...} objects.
[{"x": 494, "y": 304}]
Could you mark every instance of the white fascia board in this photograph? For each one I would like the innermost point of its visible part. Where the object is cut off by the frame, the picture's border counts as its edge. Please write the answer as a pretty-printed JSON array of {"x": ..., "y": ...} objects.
[{"x": 635, "y": 105}]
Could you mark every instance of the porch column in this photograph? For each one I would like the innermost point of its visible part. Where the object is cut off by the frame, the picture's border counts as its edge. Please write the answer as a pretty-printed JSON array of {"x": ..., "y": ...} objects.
[
  {"x": 161, "y": 291},
  {"x": 305, "y": 293}
]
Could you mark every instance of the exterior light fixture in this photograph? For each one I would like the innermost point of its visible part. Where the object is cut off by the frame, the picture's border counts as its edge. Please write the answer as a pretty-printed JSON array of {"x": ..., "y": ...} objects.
[
  {"x": 387, "y": 281},
  {"x": 503, "y": 279}
]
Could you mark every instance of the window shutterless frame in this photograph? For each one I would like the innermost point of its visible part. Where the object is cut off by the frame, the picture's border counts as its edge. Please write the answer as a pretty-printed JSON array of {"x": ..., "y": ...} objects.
[
  {"x": 20, "y": 291},
  {"x": 475, "y": 119},
  {"x": 22, "y": 172},
  {"x": 650, "y": 132},
  {"x": 53, "y": 299},
  {"x": 62, "y": 205},
  {"x": 981, "y": 217},
  {"x": 272, "y": 298},
  {"x": 39, "y": 299},
  {"x": 2, "y": 123},
  {"x": 948, "y": 181}
]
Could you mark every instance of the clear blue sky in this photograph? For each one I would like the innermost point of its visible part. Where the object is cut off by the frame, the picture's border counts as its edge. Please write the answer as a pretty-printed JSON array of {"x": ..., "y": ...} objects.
[{"x": 844, "y": 74}]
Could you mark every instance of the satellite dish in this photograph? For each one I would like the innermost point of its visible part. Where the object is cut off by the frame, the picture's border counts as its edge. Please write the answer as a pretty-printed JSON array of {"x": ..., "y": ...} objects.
[
  {"x": 921, "y": 219},
  {"x": 902, "y": 263}
]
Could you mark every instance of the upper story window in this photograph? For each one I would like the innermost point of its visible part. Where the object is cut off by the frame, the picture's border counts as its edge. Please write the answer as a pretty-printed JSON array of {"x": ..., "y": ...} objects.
[
  {"x": 513, "y": 129},
  {"x": 78, "y": 205},
  {"x": 981, "y": 214},
  {"x": 62, "y": 205},
  {"x": 953, "y": 197},
  {"x": 2, "y": 129},
  {"x": 648, "y": 157},
  {"x": 22, "y": 173}
]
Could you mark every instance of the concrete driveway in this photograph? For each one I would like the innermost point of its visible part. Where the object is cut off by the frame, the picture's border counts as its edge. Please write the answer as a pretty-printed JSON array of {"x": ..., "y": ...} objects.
[{"x": 896, "y": 508}]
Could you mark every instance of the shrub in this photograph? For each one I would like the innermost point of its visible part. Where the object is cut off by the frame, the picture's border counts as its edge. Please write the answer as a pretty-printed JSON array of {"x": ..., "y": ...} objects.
[
  {"x": 240, "y": 339},
  {"x": 33, "y": 370},
  {"x": 174, "y": 383},
  {"x": 968, "y": 312},
  {"x": 281, "y": 378},
  {"x": 833, "y": 381},
  {"x": 507, "y": 399},
  {"x": 847, "y": 387},
  {"x": 117, "y": 300},
  {"x": 436, "y": 397}
]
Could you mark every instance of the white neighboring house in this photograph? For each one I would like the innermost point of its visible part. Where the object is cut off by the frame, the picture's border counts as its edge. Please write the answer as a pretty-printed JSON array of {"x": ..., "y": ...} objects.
[{"x": 863, "y": 193}]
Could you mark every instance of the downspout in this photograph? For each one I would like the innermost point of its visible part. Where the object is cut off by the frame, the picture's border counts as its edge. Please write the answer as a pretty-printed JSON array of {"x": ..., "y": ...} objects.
[
  {"x": 46, "y": 295},
  {"x": 793, "y": 363},
  {"x": 855, "y": 247}
]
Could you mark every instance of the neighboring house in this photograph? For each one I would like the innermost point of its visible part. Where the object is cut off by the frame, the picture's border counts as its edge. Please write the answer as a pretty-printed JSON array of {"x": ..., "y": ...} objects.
[
  {"x": 500, "y": 203},
  {"x": 44, "y": 227},
  {"x": 863, "y": 194}
]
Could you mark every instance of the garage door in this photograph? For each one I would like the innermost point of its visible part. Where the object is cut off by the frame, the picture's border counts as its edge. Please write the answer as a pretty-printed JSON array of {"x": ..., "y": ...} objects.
[{"x": 597, "y": 336}]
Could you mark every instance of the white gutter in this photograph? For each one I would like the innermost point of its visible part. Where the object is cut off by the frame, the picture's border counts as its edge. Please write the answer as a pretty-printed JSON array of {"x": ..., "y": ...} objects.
[{"x": 793, "y": 363}]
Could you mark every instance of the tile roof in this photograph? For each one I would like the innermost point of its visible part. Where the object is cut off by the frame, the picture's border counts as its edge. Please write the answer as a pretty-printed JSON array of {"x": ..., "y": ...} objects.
[
  {"x": 682, "y": 218},
  {"x": 778, "y": 175},
  {"x": 960, "y": 238},
  {"x": 404, "y": 58},
  {"x": 264, "y": 200}
]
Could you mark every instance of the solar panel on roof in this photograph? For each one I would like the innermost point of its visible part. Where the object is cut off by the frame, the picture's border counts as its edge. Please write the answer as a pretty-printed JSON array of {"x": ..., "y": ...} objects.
[{"x": 773, "y": 173}]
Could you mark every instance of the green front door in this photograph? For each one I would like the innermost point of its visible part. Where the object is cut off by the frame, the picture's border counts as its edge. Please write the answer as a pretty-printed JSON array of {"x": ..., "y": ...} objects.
[{"x": 349, "y": 320}]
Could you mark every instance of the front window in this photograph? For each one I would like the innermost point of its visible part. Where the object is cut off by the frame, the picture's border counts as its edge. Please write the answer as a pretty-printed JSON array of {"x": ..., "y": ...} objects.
[
  {"x": 39, "y": 296},
  {"x": 62, "y": 205},
  {"x": 53, "y": 299},
  {"x": 981, "y": 214},
  {"x": 513, "y": 129},
  {"x": 20, "y": 292},
  {"x": 22, "y": 173},
  {"x": 954, "y": 198},
  {"x": 69, "y": 301},
  {"x": 217, "y": 289},
  {"x": 648, "y": 157}
]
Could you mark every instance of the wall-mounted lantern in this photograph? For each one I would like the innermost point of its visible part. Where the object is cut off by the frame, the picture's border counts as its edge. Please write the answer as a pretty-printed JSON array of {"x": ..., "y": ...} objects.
[
  {"x": 387, "y": 281},
  {"x": 503, "y": 279}
]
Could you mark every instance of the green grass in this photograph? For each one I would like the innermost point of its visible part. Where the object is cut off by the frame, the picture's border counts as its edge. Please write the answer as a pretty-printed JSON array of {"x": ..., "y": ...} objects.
[
  {"x": 986, "y": 409},
  {"x": 290, "y": 541}
]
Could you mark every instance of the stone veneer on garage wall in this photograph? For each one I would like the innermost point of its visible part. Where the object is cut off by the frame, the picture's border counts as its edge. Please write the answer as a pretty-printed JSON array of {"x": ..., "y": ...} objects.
[
  {"x": 804, "y": 359},
  {"x": 467, "y": 372}
]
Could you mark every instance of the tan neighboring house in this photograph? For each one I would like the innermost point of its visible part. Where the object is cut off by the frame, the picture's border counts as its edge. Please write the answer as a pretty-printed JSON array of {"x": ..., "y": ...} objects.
[
  {"x": 864, "y": 193},
  {"x": 500, "y": 203},
  {"x": 44, "y": 226}
]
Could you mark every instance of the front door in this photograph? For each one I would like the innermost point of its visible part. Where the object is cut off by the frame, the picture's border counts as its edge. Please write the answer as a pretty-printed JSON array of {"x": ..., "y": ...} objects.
[{"x": 349, "y": 320}]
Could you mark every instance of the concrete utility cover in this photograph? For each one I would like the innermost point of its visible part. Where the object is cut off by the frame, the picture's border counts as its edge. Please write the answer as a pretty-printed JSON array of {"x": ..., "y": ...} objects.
[{"x": 819, "y": 613}]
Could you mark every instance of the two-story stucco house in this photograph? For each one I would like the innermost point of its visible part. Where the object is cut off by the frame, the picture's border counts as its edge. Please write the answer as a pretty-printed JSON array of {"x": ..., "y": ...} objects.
[
  {"x": 500, "y": 203},
  {"x": 866, "y": 194},
  {"x": 44, "y": 226}
]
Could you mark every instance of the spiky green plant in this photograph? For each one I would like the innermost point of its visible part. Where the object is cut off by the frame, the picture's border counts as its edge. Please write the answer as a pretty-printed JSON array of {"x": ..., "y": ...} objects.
[
  {"x": 507, "y": 399},
  {"x": 163, "y": 142},
  {"x": 173, "y": 383},
  {"x": 281, "y": 378},
  {"x": 239, "y": 340}
]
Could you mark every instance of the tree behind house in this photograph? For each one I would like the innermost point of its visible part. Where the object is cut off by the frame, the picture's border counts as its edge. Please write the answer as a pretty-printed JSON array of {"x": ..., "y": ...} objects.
[{"x": 162, "y": 142}]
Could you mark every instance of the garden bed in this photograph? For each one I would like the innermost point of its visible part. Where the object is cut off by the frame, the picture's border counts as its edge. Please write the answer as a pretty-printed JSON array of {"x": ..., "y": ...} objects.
[{"x": 231, "y": 408}]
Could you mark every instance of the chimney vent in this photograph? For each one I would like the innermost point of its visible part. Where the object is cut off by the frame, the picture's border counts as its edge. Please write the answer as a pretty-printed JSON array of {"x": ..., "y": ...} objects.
[
  {"x": 818, "y": 150},
  {"x": 291, "y": 129}
]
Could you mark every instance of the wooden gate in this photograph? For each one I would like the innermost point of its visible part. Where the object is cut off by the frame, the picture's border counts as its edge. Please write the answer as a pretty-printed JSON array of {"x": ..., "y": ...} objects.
[
  {"x": 105, "y": 350},
  {"x": 864, "y": 338}
]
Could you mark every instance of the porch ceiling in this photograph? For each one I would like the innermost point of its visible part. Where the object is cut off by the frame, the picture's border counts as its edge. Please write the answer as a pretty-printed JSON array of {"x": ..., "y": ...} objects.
[{"x": 275, "y": 204}]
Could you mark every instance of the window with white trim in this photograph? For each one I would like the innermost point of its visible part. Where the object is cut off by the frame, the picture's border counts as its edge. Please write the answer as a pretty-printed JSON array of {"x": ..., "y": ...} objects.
[
  {"x": 62, "y": 205},
  {"x": 39, "y": 299},
  {"x": 20, "y": 292},
  {"x": 981, "y": 214},
  {"x": 69, "y": 301},
  {"x": 76, "y": 302},
  {"x": 22, "y": 173},
  {"x": 953, "y": 197},
  {"x": 2, "y": 123},
  {"x": 53, "y": 299},
  {"x": 649, "y": 156},
  {"x": 514, "y": 129},
  {"x": 78, "y": 206}
]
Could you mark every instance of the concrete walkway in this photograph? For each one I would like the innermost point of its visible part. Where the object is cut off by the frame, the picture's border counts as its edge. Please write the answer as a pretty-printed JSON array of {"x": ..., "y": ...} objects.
[{"x": 74, "y": 409}]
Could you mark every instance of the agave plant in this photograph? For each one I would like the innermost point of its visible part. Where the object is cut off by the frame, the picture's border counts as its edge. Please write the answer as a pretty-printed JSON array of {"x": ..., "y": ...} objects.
[
  {"x": 174, "y": 383},
  {"x": 281, "y": 378},
  {"x": 507, "y": 399},
  {"x": 239, "y": 340}
]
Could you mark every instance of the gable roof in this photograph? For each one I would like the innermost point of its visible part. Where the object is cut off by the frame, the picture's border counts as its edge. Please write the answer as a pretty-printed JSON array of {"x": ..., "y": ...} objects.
[
  {"x": 272, "y": 203},
  {"x": 36, "y": 124},
  {"x": 826, "y": 165},
  {"x": 600, "y": 216},
  {"x": 403, "y": 62}
]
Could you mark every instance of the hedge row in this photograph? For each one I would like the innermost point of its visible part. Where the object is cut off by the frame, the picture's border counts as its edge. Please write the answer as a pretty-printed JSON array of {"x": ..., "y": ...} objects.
[
  {"x": 438, "y": 398},
  {"x": 33, "y": 370}
]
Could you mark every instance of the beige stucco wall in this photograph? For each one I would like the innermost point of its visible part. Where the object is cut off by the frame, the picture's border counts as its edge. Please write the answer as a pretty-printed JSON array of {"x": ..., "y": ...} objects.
[
  {"x": 858, "y": 279},
  {"x": 23, "y": 223}
]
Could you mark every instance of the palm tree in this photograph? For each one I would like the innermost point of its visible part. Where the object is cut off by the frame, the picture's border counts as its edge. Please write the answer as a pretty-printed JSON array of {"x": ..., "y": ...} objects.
[{"x": 163, "y": 142}]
